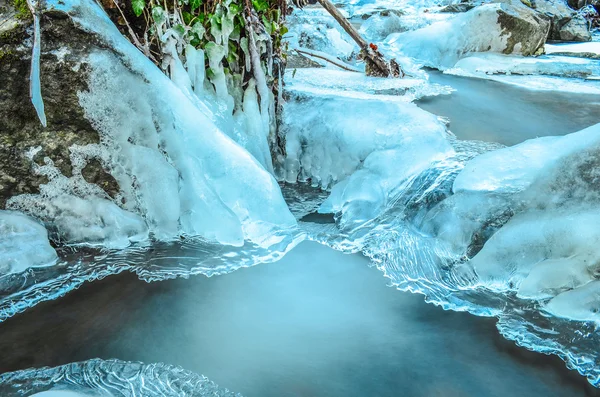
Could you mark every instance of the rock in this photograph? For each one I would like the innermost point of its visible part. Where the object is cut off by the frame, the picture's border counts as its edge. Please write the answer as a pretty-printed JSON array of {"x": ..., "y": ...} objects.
[
  {"x": 381, "y": 25},
  {"x": 575, "y": 30},
  {"x": 578, "y": 4},
  {"x": 565, "y": 24},
  {"x": 460, "y": 7},
  {"x": 63, "y": 74},
  {"x": 526, "y": 29}
]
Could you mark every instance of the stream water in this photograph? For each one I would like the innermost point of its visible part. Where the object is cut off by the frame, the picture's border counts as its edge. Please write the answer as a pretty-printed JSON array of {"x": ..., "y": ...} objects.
[{"x": 317, "y": 322}]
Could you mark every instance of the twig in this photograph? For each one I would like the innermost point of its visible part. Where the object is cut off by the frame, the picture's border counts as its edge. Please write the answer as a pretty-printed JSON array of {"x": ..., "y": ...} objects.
[{"x": 331, "y": 60}]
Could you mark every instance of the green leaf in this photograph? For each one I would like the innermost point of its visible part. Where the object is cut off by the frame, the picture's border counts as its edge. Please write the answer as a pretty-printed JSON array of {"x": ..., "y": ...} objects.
[
  {"x": 198, "y": 29},
  {"x": 138, "y": 6},
  {"x": 283, "y": 30},
  {"x": 195, "y": 4},
  {"x": 187, "y": 17},
  {"x": 234, "y": 9},
  {"x": 267, "y": 24},
  {"x": 260, "y": 5}
]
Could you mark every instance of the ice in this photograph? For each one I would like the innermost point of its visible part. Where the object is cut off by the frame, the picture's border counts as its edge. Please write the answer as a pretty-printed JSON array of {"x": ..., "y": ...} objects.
[
  {"x": 315, "y": 29},
  {"x": 588, "y": 49},
  {"x": 329, "y": 130},
  {"x": 368, "y": 191},
  {"x": 442, "y": 44},
  {"x": 568, "y": 242},
  {"x": 582, "y": 304},
  {"x": 515, "y": 168},
  {"x": 107, "y": 378},
  {"x": 201, "y": 182},
  {"x": 545, "y": 65},
  {"x": 23, "y": 243},
  {"x": 69, "y": 393},
  {"x": 35, "y": 88}
]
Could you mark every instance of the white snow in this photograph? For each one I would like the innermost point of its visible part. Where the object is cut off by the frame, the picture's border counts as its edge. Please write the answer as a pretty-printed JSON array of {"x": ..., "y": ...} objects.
[{"x": 23, "y": 243}]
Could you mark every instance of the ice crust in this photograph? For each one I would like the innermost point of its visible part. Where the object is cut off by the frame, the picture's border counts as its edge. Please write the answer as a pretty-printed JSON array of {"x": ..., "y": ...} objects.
[
  {"x": 23, "y": 244},
  {"x": 110, "y": 378}
]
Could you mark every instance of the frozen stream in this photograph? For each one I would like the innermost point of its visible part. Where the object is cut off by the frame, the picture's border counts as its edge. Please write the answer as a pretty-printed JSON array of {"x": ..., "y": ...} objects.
[{"x": 316, "y": 323}]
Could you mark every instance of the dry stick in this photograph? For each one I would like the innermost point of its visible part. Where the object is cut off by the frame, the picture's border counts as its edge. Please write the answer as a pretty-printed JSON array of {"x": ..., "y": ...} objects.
[
  {"x": 375, "y": 57},
  {"x": 339, "y": 64},
  {"x": 131, "y": 33}
]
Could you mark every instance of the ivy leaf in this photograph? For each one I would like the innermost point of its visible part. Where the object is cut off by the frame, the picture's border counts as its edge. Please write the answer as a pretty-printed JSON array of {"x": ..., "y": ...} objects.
[
  {"x": 187, "y": 17},
  {"x": 194, "y": 4},
  {"x": 138, "y": 6},
  {"x": 179, "y": 28},
  {"x": 260, "y": 5},
  {"x": 159, "y": 15},
  {"x": 234, "y": 9},
  {"x": 198, "y": 30}
]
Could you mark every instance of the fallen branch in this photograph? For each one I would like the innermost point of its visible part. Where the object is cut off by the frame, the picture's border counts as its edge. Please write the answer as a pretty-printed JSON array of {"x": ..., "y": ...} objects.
[
  {"x": 325, "y": 57},
  {"x": 376, "y": 63}
]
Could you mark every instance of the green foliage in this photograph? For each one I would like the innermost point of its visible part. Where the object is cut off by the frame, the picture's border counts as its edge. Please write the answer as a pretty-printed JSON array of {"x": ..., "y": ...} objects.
[
  {"x": 22, "y": 8},
  {"x": 138, "y": 6}
]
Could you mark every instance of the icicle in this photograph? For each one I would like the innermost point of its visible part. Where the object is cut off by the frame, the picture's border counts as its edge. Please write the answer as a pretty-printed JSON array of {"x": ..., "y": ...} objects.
[
  {"x": 259, "y": 76},
  {"x": 35, "y": 89}
]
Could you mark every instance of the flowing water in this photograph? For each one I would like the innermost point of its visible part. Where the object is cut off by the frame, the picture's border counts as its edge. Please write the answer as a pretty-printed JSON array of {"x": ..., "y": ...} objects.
[{"x": 316, "y": 323}]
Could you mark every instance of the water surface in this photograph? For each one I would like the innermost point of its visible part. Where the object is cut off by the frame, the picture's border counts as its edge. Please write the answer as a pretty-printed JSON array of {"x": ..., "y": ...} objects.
[
  {"x": 495, "y": 112},
  {"x": 316, "y": 323}
]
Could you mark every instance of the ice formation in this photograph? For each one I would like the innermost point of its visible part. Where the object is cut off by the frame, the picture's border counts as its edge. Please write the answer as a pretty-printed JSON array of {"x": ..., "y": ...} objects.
[
  {"x": 23, "y": 244},
  {"x": 201, "y": 182},
  {"x": 367, "y": 119},
  {"x": 315, "y": 29},
  {"x": 110, "y": 378},
  {"x": 35, "y": 88},
  {"x": 547, "y": 66}
]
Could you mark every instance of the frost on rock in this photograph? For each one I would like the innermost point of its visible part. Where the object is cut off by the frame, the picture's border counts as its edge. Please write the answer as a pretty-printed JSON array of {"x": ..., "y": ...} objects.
[
  {"x": 110, "y": 378},
  {"x": 481, "y": 29},
  {"x": 178, "y": 171},
  {"x": 23, "y": 243},
  {"x": 323, "y": 147}
]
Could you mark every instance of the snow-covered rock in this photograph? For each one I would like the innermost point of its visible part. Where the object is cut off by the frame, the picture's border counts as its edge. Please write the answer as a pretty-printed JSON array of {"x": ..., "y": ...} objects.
[
  {"x": 23, "y": 243},
  {"x": 500, "y": 28}
]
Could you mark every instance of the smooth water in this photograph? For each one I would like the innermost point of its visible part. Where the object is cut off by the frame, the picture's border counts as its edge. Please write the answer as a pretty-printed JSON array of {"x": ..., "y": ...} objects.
[
  {"x": 495, "y": 112},
  {"x": 316, "y": 323}
]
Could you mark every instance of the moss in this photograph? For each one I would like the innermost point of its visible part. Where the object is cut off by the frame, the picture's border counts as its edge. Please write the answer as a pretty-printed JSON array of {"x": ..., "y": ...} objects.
[{"x": 23, "y": 12}]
